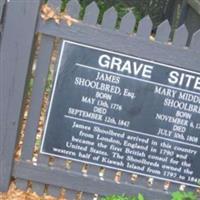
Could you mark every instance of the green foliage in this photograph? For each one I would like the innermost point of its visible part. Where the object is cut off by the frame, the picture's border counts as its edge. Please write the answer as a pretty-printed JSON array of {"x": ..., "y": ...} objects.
[
  {"x": 49, "y": 82},
  {"x": 121, "y": 6},
  {"x": 140, "y": 197},
  {"x": 63, "y": 5},
  {"x": 184, "y": 196},
  {"x": 175, "y": 196},
  {"x": 156, "y": 9},
  {"x": 124, "y": 197},
  {"x": 30, "y": 85}
]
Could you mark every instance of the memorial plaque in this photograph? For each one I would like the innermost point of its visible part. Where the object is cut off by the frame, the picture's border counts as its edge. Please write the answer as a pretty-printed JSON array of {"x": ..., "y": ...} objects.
[{"x": 125, "y": 113}]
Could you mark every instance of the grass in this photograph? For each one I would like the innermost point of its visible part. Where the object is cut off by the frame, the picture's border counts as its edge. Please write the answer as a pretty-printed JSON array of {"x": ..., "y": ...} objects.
[
  {"x": 179, "y": 195},
  {"x": 184, "y": 196},
  {"x": 124, "y": 197}
]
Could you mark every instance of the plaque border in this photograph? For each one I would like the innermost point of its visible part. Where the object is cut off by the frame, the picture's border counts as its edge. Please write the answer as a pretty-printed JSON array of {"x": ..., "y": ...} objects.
[{"x": 63, "y": 46}]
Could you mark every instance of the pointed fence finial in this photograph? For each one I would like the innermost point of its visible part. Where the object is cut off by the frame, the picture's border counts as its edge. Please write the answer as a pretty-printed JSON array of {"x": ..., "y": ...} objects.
[
  {"x": 128, "y": 23},
  {"x": 145, "y": 28},
  {"x": 109, "y": 18},
  {"x": 91, "y": 14},
  {"x": 180, "y": 36},
  {"x": 73, "y": 8},
  {"x": 195, "y": 42},
  {"x": 163, "y": 32}
]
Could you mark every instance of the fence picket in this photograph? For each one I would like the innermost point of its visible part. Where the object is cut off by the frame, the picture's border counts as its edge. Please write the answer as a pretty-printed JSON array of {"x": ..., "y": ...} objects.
[
  {"x": 21, "y": 184},
  {"x": 163, "y": 32},
  {"x": 73, "y": 8},
  {"x": 145, "y": 28},
  {"x": 173, "y": 187},
  {"x": 91, "y": 14},
  {"x": 77, "y": 167},
  {"x": 37, "y": 187},
  {"x": 55, "y": 3},
  {"x": 55, "y": 175},
  {"x": 41, "y": 73},
  {"x": 126, "y": 177},
  {"x": 18, "y": 45},
  {"x": 158, "y": 184},
  {"x": 180, "y": 36},
  {"x": 109, "y": 19},
  {"x": 142, "y": 180},
  {"x": 87, "y": 196},
  {"x": 195, "y": 43},
  {"x": 110, "y": 174},
  {"x": 58, "y": 162},
  {"x": 71, "y": 194},
  {"x": 128, "y": 23},
  {"x": 43, "y": 160},
  {"x": 53, "y": 190}
]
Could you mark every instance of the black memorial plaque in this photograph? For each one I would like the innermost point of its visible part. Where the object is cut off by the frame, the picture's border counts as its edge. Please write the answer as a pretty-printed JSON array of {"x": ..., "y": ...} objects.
[{"x": 125, "y": 113}]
